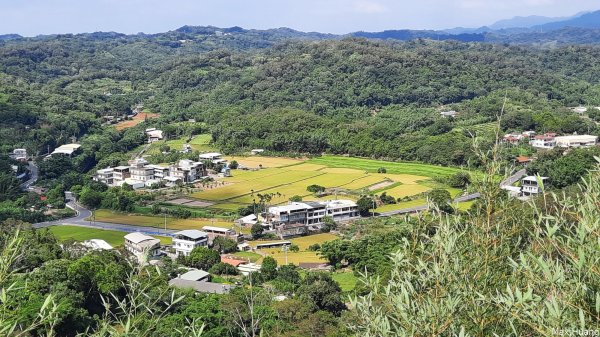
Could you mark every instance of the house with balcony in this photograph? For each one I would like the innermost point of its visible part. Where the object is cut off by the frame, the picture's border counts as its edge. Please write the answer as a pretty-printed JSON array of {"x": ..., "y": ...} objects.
[
  {"x": 105, "y": 176},
  {"x": 545, "y": 141},
  {"x": 530, "y": 185},
  {"x": 185, "y": 241},
  {"x": 142, "y": 246},
  {"x": 187, "y": 170}
]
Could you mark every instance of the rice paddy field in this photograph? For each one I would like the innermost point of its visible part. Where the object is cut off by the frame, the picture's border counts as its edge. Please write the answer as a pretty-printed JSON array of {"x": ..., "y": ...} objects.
[
  {"x": 347, "y": 177},
  {"x": 303, "y": 255},
  {"x": 77, "y": 233}
]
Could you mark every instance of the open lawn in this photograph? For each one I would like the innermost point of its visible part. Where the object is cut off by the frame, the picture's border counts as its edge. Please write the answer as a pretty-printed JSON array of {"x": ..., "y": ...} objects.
[
  {"x": 103, "y": 215},
  {"x": 294, "y": 258},
  {"x": 135, "y": 120},
  {"x": 198, "y": 143},
  {"x": 77, "y": 233},
  {"x": 346, "y": 280},
  {"x": 248, "y": 256}
]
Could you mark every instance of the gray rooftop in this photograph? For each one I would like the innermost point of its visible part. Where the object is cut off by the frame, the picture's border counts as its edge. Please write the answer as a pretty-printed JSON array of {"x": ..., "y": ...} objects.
[{"x": 194, "y": 275}]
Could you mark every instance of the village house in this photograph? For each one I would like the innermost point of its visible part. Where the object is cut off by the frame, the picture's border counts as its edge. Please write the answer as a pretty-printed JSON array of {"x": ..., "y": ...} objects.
[
  {"x": 523, "y": 160},
  {"x": 188, "y": 171},
  {"x": 154, "y": 135},
  {"x": 309, "y": 213},
  {"x": 530, "y": 185},
  {"x": 185, "y": 241},
  {"x": 545, "y": 141},
  {"x": 19, "y": 154},
  {"x": 141, "y": 245},
  {"x": 214, "y": 232},
  {"x": 213, "y": 157}
]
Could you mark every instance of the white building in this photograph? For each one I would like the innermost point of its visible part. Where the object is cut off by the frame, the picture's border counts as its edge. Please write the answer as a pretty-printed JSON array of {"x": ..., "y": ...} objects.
[
  {"x": 97, "y": 244},
  {"x": 313, "y": 212},
  {"x": 248, "y": 268},
  {"x": 257, "y": 151},
  {"x": 450, "y": 113},
  {"x": 154, "y": 135},
  {"x": 545, "y": 141},
  {"x": 105, "y": 176},
  {"x": 141, "y": 171},
  {"x": 187, "y": 170},
  {"x": 142, "y": 245},
  {"x": 576, "y": 141},
  {"x": 19, "y": 154},
  {"x": 67, "y": 149},
  {"x": 214, "y": 157},
  {"x": 185, "y": 241},
  {"x": 530, "y": 186},
  {"x": 580, "y": 109}
]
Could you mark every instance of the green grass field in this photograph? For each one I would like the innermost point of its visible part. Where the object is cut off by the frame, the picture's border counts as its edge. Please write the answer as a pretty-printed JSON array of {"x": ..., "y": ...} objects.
[
  {"x": 198, "y": 143},
  {"x": 104, "y": 215},
  {"x": 347, "y": 280},
  {"x": 114, "y": 238}
]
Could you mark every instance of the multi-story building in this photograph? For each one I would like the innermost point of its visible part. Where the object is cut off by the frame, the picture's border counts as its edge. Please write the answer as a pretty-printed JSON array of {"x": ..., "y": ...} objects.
[
  {"x": 140, "y": 170},
  {"x": 142, "y": 245},
  {"x": 160, "y": 172},
  {"x": 185, "y": 241},
  {"x": 105, "y": 176},
  {"x": 187, "y": 170},
  {"x": 545, "y": 141},
  {"x": 312, "y": 212},
  {"x": 530, "y": 185},
  {"x": 120, "y": 173},
  {"x": 214, "y": 232},
  {"x": 19, "y": 154}
]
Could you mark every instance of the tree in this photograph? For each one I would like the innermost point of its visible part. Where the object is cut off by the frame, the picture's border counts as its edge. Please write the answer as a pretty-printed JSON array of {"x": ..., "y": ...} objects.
[
  {"x": 381, "y": 170},
  {"x": 203, "y": 258},
  {"x": 268, "y": 269},
  {"x": 224, "y": 245},
  {"x": 90, "y": 198},
  {"x": 441, "y": 198},
  {"x": 233, "y": 165},
  {"x": 365, "y": 204},
  {"x": 256, "y": 231},
  {"x": 315, "y": 188},
  {"x": 294, "y": 248},
  {"x": 223, "y": 269},
  {"x": 323, "y": 292},
  {"x": 459, "y": 180},
  {"x": 9, "y": 186},
  {"x": 296, "y": 198}
]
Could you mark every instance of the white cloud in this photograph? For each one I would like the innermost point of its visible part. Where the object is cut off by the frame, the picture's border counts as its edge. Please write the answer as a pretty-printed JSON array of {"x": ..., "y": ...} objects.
[{"x": 368, "y": 7}]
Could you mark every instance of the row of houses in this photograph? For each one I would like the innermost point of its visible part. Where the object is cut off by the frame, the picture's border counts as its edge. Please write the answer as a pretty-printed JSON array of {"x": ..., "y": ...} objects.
[
  {"x": 140, "y": 173},
  {"x": 299, "y": 218},
  {"x": 551, "y": 140}
]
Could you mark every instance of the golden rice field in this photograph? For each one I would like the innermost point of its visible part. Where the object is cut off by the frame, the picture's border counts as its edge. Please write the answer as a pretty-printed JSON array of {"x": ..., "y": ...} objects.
[
  {"x": 285, "y": 177},
  {"x": 303, "y": 243}
]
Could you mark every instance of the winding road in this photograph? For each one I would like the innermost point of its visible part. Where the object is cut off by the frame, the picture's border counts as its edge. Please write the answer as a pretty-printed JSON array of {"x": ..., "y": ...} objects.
[{"x": 84, "y": 213}]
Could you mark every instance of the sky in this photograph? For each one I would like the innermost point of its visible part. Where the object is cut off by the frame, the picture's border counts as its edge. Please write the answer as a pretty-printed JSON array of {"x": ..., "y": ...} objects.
[{"x": 34, "y": 17}]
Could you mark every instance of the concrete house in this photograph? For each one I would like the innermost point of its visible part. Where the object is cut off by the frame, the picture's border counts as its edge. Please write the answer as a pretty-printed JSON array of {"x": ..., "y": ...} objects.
[
  {"x": 545, "y": 141},
  {"x": 215, "y": 232},
  {"x": 154, "y": 135},
  {"x": 185, "y": 241},
  {"x": 19, "y": 154},
  {"x": 530, "y": 186},
  {"x": 142, "y": 245}
]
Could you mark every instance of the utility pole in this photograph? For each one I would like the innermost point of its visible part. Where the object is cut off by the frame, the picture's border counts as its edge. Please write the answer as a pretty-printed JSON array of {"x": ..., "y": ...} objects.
[
  {"x": 285, "y": 250},
  {"x": 373, "y": 207},
  {"x": 165, "y": 213}
]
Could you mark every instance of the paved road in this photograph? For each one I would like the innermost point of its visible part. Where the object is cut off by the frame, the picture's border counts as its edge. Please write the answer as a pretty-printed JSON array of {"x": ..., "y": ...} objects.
[
  {"x": 83, "y": 214},
  {"x": 33, "y": 175},
  {"x": 514, "y": 178}
]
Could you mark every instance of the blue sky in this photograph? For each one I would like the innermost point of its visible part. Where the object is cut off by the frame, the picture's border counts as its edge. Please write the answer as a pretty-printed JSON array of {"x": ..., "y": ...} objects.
[{"x": 32, "y": 17}]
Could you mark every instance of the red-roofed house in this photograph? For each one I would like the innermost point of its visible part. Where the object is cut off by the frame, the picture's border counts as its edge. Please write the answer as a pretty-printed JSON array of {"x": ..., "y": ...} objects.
[
  {"x": 230, "y": 260},
  {"x": 522, "y": 160}
]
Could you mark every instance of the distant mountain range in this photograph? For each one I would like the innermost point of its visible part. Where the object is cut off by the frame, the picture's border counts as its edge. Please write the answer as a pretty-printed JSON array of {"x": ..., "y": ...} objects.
[{"x": 582, "y": 28}]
